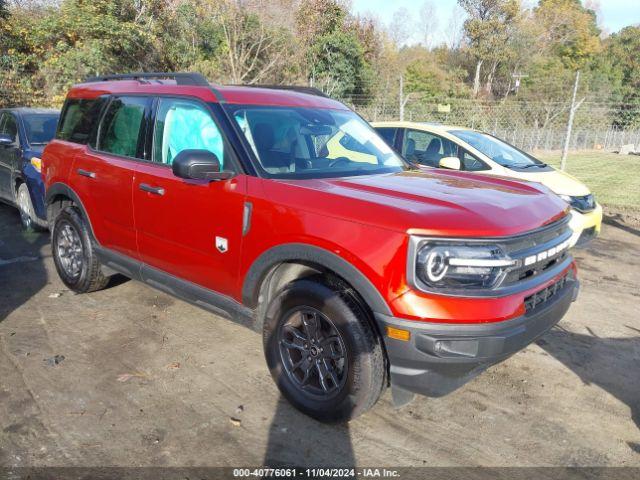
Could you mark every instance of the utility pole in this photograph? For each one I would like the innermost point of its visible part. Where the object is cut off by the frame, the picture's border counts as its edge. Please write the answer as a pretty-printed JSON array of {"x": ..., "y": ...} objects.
[
  {"x": 572, "y": 111},
  {"x": 402, "y": 99}
]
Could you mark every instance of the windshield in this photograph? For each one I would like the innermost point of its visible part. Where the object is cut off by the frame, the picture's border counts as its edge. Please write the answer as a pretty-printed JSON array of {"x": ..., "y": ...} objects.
[
  {"x": 295, "y": 142},
  {"x": 500, "y": 152},
  {"x": 40, "y": 127}
]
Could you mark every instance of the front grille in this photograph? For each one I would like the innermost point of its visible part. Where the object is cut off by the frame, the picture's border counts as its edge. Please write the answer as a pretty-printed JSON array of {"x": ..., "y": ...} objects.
[
  {"x": 543, "y": 296},
  {"x": 585, "y": 203},
  {"x": 547, "y": 246}
]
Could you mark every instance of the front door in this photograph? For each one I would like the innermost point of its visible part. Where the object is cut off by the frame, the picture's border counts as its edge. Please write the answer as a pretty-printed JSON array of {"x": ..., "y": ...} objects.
[
  {"x": 8, "y": 155},
  {"x": 191, "y": 229}
]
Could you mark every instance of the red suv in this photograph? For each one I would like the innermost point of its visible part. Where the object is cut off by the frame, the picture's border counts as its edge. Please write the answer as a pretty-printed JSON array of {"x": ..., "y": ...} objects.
[{"x": 284, "y": 207}]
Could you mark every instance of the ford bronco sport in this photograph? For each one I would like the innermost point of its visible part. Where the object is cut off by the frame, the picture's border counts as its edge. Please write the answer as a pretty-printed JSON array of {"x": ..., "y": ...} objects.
[{"x": 360, "y": 271}]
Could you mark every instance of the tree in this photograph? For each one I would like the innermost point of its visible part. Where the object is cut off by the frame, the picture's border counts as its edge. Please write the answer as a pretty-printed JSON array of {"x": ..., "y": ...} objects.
[
  {"x": 622, "y": 60},
  {"x": 487, "y": 29},
  {"x": 338, "y": 65},
  {"x": 317, "y": 18},
  {"x": 401, "y": 27},
  {"x": 428, "y": 79},
  {"x": 569, "y": 30},
  {"x": 428, "y": 24},
  {"x": 254, "y": 51}
]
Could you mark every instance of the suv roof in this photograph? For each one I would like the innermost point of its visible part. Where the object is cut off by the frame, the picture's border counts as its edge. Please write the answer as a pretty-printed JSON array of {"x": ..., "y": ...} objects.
[{"x": 195, "y": 85}]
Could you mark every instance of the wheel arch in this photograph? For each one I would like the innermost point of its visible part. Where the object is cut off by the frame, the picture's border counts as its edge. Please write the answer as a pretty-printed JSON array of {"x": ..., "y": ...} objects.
[
  {"x": 57, "y": 197},
  {"x": 284, "y": 263}
]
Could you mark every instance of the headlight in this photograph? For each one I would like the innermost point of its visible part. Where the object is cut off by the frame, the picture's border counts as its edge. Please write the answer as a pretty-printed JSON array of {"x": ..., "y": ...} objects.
[
  {"x": 444, "y": 265},
  {"x": 585, "y": 203},
  {"x": 37, "y": 163}
]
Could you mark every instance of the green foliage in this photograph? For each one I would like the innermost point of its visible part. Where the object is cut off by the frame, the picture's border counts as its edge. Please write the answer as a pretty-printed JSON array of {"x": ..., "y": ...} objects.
[
  {"x": 430, "y": 80},
  {"x": 47, "y": 46},
  {"x": 570, "y": 30},
  {"x": 622, "y": 54},
  {"x": 338, "y": 65},
  {"x": 487, "y": 27}
]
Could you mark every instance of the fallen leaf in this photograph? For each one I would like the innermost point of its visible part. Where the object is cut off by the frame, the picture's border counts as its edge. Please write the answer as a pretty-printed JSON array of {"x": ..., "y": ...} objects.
[{"x": 128, "y": 376}]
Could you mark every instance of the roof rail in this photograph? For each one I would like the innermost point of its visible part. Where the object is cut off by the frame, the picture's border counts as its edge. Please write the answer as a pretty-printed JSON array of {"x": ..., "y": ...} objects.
[
  {"x": 295, "y": 88},
  {"x": 181, "y": 78}
]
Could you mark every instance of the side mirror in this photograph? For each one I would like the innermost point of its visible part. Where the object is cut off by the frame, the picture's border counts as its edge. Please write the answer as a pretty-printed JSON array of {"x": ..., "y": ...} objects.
[
  {"x": 5, "y": 140},
  {"x": 452, "y": 163},
  {"x": 199, "y": 165}
]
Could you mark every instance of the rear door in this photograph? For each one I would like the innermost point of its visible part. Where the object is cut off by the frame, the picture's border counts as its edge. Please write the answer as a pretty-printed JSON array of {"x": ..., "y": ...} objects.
[
  {"x": 103, "y": 172},
  {"x": 8, "y": 154},
  {"x": 191, "y": 229}
]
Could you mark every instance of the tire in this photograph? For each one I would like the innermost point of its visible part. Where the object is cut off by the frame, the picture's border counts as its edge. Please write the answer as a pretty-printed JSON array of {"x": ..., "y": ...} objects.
[
  {"x": 27, "y": 213},
  {"x": 74, "y": 253},
  {"x": 354, "y": 382}
]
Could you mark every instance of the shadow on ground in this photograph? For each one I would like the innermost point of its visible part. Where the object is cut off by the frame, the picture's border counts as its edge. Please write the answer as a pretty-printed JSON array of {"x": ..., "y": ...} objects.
[
  {"x": 22, "y": 270},
  {"x": 610, "y": 363},
  {"x": 618, "y": 221},
  {"x": 314, "y": 445}
]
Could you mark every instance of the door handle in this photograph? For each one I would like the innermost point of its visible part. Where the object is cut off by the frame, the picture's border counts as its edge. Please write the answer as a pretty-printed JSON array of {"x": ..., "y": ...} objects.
[
  {"x": 86, "y": 173},
  {"x": 148, "y": 188}
]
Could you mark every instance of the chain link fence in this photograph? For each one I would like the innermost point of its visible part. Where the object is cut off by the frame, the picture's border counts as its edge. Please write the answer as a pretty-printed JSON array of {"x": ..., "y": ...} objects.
[{"x": 529, "y": 125}]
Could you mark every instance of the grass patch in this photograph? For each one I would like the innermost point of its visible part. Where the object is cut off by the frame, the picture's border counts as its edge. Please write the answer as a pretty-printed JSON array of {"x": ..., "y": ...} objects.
[{"x": 615, "y": 179}]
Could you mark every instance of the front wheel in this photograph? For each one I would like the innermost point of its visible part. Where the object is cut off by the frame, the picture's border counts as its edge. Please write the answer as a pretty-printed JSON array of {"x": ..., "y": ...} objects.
[
  {"x": 322, "y": 350},
  {"x": 27, "y": 213}
]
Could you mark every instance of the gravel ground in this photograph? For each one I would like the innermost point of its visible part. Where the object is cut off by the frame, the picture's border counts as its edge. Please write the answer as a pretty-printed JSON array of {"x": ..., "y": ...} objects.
[{"x": 132, "y": 377}]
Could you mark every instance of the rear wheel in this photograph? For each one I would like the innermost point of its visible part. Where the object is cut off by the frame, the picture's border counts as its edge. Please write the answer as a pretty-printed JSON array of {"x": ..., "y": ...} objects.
[
  {"x": 74, "y": 253},
  {"x": 322, "y": 350}
]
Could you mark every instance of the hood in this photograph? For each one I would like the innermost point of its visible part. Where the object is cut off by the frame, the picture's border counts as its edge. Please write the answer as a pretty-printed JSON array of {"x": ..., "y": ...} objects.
[
  {"x": 438, "y": 202},
  {"x": 557, "y": 181}
]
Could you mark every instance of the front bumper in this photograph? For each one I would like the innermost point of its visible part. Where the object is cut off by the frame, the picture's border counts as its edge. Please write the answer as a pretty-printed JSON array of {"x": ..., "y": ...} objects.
[
  {"x": 585, "y": 226},
  {"x": 439, "y": 358}
]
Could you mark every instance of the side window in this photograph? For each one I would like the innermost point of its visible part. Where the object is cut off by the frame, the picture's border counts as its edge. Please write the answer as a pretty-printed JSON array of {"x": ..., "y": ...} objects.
[
  {"x": 121, "y": 130},
  {"x": 185, "y": 125},
  {"x": 472, "y": 164},
  {"x": 426, "y": 148},
  {"x": 388, "y": 135},
  {"x": 9, "y": 126},
  {"x": 79, "y": 119}
]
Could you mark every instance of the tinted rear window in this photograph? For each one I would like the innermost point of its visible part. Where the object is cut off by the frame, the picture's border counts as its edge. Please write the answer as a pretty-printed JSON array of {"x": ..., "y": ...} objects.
[{"x": 79, "y": 119}]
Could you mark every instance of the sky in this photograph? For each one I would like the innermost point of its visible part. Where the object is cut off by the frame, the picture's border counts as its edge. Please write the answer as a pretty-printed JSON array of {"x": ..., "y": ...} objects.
[{"x": 614, "y": 14}]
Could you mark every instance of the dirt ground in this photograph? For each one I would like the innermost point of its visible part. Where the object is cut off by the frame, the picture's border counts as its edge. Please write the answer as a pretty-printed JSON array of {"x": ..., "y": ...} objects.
[{"x": 147, "y": 380}]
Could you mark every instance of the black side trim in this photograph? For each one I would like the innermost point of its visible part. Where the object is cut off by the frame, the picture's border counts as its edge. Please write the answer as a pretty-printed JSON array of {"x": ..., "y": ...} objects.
[
  {"x": 307, "y": 254},
  {"x": 190, "y": 292}
]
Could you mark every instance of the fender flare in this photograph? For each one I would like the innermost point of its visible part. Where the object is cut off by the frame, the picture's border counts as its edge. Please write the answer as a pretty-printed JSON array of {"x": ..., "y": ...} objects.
[
  {"x": 303, "y": 253},
  {"x": 60, "y": 188}
]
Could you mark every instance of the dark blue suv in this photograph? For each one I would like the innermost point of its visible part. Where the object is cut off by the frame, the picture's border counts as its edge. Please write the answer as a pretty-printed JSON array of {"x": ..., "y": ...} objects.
[{"x": 24, "y": 132}]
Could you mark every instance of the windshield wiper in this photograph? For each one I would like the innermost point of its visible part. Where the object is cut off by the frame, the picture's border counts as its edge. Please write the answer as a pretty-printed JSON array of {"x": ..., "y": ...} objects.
[{"x": 539, "y": 165}]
